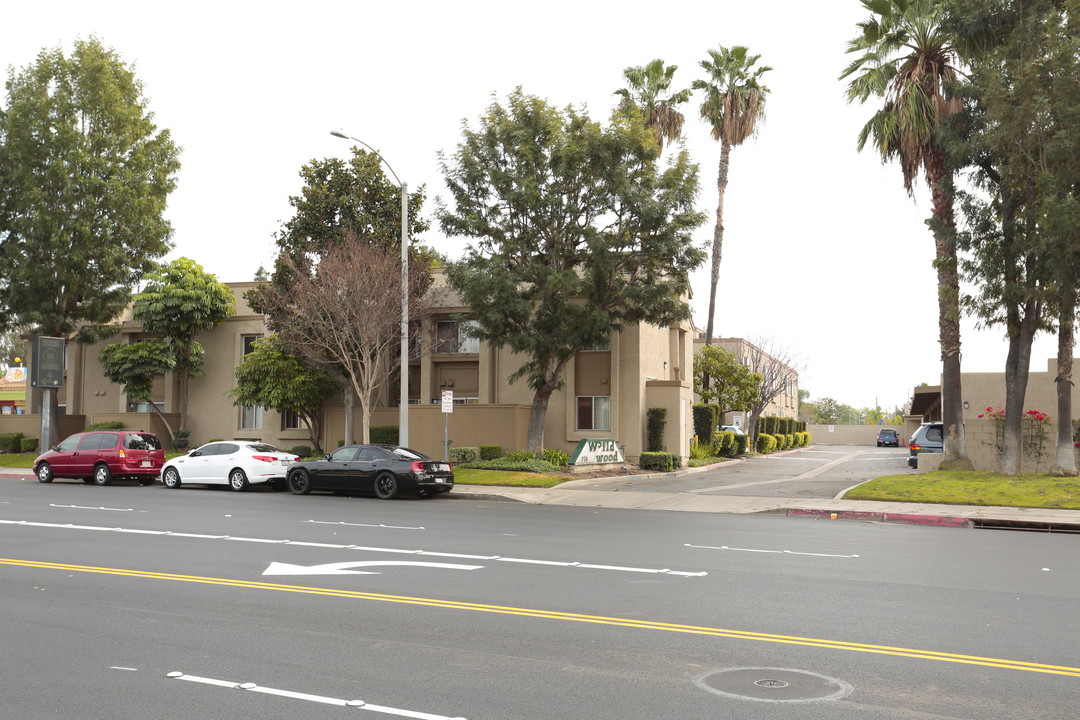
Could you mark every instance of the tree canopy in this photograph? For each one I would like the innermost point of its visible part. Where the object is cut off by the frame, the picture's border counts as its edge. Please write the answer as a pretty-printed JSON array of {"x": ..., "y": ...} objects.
[
  {"x": 578, "y": 232},
  {"x": 272, "y": 377},
  {"x": 84, "y": 177},
  {"x": 732, "y": 385}
]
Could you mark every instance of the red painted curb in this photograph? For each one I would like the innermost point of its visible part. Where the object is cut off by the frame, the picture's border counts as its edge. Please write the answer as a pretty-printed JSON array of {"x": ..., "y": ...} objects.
[
  {"x": 938, "y": 520},
  {"x": 836, "y": 514}
]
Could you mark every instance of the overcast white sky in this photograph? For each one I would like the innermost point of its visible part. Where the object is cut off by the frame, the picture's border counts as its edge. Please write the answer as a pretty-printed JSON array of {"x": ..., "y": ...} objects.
[{"x": 824, "y": 254}]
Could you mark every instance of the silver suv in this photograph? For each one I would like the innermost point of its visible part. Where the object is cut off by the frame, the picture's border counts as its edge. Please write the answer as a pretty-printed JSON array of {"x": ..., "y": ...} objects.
[{"x": 927, "y": 439}]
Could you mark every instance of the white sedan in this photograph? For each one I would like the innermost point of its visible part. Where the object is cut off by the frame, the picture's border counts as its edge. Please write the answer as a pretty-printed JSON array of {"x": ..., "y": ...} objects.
[{"x": 236, "y": 463}]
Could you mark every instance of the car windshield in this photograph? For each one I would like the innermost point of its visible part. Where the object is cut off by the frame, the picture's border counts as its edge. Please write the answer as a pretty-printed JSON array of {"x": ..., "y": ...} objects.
[{"x": 142, "y": 441}]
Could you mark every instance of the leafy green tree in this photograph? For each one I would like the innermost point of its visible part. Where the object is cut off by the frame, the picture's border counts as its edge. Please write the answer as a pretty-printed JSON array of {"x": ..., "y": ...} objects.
[
  {"x": 134, "y": 366},
  {"x": 84, "y": 177},
  {"x": 181, "y": 301},
  {"x": 734, "y": 107},
  {"x": 733, "y": 386},
  {"x": 1023, "y": 148},
  {"x": 578, "y": 233},
  {"x": 12, "y": 346},
  {"x": 826, "y": 411},
  {"x": 272, "y": 377},
  {"x": 340, "y": 200},
  {"x": 907, "y": 57},
  {"x": 649, "y": 92}
]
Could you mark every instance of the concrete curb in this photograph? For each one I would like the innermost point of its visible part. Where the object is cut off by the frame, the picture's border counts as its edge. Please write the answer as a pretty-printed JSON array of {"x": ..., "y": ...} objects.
[{"x": 905, "y": 518}]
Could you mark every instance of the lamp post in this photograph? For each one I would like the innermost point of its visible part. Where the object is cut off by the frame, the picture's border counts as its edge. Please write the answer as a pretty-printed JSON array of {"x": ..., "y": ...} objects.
[{"x": 403, "y": 416}]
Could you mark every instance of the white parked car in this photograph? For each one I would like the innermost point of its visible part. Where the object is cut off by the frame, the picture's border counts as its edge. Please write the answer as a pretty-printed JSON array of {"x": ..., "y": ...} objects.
[
  {"x": 236, "y": 463},
  {"x": 733, "y": 428}
]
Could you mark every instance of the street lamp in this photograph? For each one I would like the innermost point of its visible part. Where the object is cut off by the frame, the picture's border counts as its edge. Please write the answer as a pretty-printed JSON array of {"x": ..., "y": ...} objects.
[{"x": 403, "y": 417}]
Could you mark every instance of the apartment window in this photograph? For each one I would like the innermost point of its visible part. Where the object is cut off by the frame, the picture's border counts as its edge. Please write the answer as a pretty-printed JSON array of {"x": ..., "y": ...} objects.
[
  {"x": 290, "y": 420},
  {"x": 251, "y": 417},
  {"x": 249, "y": 343},
  {"x": 594, "y": 412},
  {"x": 450, "y": 337}
]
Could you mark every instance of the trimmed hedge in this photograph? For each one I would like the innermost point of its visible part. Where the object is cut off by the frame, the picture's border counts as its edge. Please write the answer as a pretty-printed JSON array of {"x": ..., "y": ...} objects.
[
  {"x": 505, "y": 463},
  {"x": 723, "y": 443},
  {"x": 113, "y": 425},
  {"x": 27, "y": 445},
  {"x": 303, "y": 451},
  {"x": 663, "y": 461},
  {"x": 766, "y": 443},
  {"x": 741, "y": 443},
  {"x": 490, "y": 452},
  {"x": 11, "y": 442},
  {"x": 655, "y": 423},
  {"x": 706, "y": 420},
  {"x": 464, "y": 454},
  {"x": 383, "y": 434}
]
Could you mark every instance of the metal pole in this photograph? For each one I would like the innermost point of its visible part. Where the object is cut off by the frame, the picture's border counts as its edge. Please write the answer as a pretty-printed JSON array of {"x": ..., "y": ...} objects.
[
  {"x": 403, "y": 419},
  {"x": 46, "y": 418}
]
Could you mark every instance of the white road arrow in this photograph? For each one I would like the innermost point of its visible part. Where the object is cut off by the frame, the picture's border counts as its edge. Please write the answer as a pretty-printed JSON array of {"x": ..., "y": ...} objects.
[{"x": 343, "y": 568}]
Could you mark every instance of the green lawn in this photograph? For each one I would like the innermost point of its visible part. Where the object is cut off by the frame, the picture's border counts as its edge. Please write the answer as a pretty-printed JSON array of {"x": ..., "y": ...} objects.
[
  {"x": 974, "y": 488},
  {"x": 466, "y": 476},
  {"x": 17, "y": 460}
]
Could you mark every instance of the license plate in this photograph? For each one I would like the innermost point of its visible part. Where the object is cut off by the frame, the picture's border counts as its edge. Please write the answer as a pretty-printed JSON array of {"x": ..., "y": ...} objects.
[
  {"x": 440, "y": 480},
  {"x": 286, "y": 461}
]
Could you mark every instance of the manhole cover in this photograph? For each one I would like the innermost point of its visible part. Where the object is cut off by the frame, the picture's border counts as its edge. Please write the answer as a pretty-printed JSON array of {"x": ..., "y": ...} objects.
[{"x": 773, "y": 685}]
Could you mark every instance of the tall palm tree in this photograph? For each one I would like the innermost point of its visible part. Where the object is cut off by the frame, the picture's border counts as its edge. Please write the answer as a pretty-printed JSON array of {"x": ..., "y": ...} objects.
[
  {"x": 734, "y": 107},
  {"x": 907, "y": 58},
  {"x": 649, "y": 90}
]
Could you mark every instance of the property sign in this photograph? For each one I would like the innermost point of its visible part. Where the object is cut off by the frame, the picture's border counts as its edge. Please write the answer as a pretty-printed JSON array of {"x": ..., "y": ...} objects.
[
  {"x": 448, "y": 401},
  {"x": 596, "y": 452}
]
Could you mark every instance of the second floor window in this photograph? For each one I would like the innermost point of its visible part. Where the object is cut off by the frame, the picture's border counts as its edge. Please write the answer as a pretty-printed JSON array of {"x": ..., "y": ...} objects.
[{"x": 451, "y": 338}]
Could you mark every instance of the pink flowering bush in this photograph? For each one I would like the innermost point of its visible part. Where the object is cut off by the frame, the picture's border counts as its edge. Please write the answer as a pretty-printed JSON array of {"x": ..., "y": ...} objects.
[{"x": 1034, "y": 426}]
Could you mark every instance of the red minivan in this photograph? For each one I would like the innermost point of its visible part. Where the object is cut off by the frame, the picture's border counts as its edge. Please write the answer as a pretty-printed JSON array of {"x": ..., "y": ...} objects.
[{"x": 103, "y": 455}]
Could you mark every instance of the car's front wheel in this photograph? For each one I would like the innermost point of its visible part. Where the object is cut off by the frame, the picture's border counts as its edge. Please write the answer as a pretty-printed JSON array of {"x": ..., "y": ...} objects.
[
  {"x": 386, "y": 487},
  {"x": 299, "y": 482},
  {"x": 102, "y": 474},
  {"x": 171, "y": 478},
  {"x": 44, "y": 473},
  {"x": 238, "y": 480}
]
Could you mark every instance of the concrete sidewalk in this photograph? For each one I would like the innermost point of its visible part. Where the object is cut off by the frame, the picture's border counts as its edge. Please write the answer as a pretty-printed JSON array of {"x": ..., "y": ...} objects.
[{"x": 573, "y": 494}]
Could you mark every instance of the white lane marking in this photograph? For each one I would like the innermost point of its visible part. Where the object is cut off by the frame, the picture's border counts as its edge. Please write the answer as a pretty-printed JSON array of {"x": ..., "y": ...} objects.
[
  {"x": 777, "y": 552},
  {"x": 388, "y": 527},
  {"x": 364, "y": 548},
  {"x": 343, "y": 568},
  {"x": 84, "y": 507},
  {"x": 361, "y": 704},
  {"x": 120, "y": 667}
]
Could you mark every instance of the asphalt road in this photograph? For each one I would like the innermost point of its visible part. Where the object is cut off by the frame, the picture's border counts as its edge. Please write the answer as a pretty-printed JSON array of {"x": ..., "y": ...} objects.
[
  {"x": 506, "y": 611},
  {"x": 817, "y": 472}
]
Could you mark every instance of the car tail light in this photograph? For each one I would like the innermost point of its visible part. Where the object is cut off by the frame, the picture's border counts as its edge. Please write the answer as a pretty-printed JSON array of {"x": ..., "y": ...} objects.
[
  {"x": 264, "y": 458},
  {"x": 417, "y": 466},
  {"x": 914, "y": 446}
]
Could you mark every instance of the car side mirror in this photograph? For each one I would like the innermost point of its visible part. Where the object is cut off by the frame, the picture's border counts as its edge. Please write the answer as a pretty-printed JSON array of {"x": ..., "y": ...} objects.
[
  {"x": 55, "y": 448},
  {"x": 326, "y": 457},
  {"x": 194, "y": 453}
]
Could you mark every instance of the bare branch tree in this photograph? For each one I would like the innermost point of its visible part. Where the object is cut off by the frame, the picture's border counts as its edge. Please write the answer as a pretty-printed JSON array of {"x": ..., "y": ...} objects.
[
  {"x": 344, "y": 314},
  {"x": 779, "y": 368}
]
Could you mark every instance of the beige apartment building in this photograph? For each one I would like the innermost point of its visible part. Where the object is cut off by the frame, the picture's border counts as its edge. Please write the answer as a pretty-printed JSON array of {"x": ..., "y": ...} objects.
[
  {"x": 606, "y": 394},
  {"x": 785, "y": 404}
]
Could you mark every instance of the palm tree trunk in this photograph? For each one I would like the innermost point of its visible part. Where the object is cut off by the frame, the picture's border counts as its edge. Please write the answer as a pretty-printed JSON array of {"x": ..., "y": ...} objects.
[
  {"x": 1065, "y": 464},
  {"x": 944, "y": 229},
  {"x": 717, "y": 245}
]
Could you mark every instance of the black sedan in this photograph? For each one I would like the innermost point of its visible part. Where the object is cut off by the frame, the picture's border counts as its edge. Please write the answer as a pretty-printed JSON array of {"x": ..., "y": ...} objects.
[{"x": 385, "y": 470}]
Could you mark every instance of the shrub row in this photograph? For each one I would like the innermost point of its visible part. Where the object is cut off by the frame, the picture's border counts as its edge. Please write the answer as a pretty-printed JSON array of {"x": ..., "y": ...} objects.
[
  {"x": 706, "y": 420},
  {"x": 16, "y": 443},
  {"x": 772, "y": 425},
  {"x": 511, "y": 464},
  {"x": 476, "y": 457},
  {"x": 767, "y": 443},
  {"x": 663, "y": 461}
]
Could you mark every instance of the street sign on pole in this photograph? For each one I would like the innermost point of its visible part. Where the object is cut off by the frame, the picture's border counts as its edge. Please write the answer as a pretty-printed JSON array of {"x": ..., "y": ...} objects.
[{"x": 447, "y": 408}]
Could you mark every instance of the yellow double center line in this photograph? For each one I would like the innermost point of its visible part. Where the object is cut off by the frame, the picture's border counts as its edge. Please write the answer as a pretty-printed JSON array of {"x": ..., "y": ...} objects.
[{"x": 568, "y": 617}]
